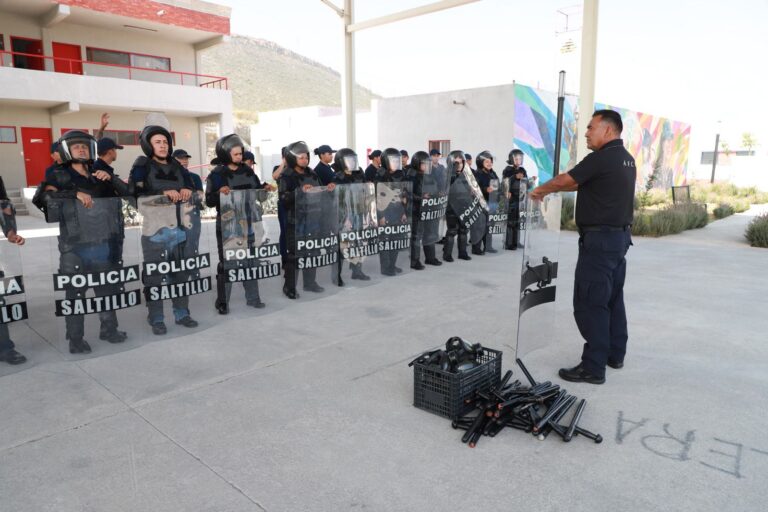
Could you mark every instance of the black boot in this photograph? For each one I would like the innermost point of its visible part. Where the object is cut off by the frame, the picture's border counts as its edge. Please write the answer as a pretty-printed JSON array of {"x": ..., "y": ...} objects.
[
  {"x": 357, "y": 272},
  {"x": 448, "y": 249}
]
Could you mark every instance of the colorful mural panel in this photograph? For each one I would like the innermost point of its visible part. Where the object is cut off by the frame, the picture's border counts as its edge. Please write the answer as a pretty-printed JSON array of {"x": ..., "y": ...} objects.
[
  {"x": 535, "y": 120},
  {"x": 659, "y": 145}
]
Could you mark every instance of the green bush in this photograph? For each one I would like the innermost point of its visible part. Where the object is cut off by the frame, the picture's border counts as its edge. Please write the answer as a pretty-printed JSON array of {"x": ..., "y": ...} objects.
[
  {"x": 654, "y": 197},
  {"x": 670, "y": 220},
  {"x": 567, "y": 210},
  {"x": 726, "y": 193},
  {"x": 724, "y": 210},
  {"x": 757, "y": 231}
]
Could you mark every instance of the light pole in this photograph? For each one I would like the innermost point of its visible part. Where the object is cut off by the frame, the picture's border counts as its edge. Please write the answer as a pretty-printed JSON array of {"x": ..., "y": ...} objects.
[{"x": 714, "y": 156}]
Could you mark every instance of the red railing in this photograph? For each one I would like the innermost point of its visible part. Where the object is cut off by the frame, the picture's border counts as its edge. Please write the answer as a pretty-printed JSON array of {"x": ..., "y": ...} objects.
[{"x": 87, "y": 67}]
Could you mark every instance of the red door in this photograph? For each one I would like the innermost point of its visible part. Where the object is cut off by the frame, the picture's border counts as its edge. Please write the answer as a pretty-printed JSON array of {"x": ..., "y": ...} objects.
[
  {"x": 67, "y": 58},
  {"x": 28, "y": 47},
  {"x": 36, "y": 143}
]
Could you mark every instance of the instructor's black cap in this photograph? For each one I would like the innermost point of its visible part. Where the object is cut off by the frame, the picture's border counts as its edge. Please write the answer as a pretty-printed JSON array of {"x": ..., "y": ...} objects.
[
  {"x": 105, "y": 144},
  {"x": 180, "y": 153},
  {"x": 403, "y": 152},
  {"x": 325, "y": 148},
  {"x": 433, "y": 152},
  {"x": 375, "y": 153}
]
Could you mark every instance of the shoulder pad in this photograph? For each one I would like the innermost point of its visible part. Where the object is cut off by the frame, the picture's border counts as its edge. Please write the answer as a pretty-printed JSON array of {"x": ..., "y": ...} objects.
[{"x": 141, "y": 161}]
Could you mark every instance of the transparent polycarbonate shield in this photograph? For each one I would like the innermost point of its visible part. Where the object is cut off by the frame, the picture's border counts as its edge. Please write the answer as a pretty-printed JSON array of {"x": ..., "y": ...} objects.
[
  {"x": 522, "y": 213},
  {"x": 394, "y": 204},
  {"x": 498, "y": 210},
  {"x": 468, "y": 205},
  {"x": 535, "y": 325},
  {"x": 358, "y": 233},
  {"x": 433, "y": 195},
  {"x": 13, "y": 302},
  {"x": 249, "y": 247},
  {"x": 177, "y": 263},
  {"x": 314, "y": 239},
  {"x": 96, "y": 278}
]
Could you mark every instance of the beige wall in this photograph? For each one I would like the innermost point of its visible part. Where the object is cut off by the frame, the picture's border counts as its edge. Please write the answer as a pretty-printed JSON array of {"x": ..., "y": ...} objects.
[
  {"x": 11, "y": 155},
  {"x": 182, "y": 55}
]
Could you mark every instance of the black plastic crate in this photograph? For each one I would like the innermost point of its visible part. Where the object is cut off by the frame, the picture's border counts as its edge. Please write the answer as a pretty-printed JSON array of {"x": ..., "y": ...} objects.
[{"x": 443, "y": 393}]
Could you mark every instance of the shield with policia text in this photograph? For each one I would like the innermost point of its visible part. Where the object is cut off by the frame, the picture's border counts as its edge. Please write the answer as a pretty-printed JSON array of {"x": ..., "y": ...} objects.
[
  {"x": 535, "y": 324},
  {"x": 13, "y": 305},
  {"x": 358, "y": 224},
  {"x": 317, "y": 242},
  {"x": 394, "y": 207},
  {"x": 433, "y": 197},
  {"x": 96, "y": 276},
  {"x": 498, "y": 209},
  {"x": 468, "y": 204},
  {"x": 177, "y": 263},
  {"x": 250, "y": 246}
]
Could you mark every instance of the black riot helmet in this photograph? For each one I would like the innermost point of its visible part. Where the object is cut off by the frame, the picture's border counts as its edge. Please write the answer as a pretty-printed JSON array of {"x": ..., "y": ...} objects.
[
  {"x": 345, "y": 160},
  {"x": 293, "y": 150},
  {"x": 71, "y": 138},
  {"x": 391, "y": 160},
  {"x": 224, "y": 148},
  {"x": 456, "y": 162},
  {"x": 419, "y": 158},
  {"x": 481, "y": 157},
  {"x": 512, "y": 155},
  {"x": 150, "y": 131}
]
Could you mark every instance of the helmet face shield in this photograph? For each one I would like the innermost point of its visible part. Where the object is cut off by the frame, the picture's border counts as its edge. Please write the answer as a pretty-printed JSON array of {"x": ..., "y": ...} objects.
[
  {"x": 298, "y": 148},
  {"x": 350, "y": 163},
  {"x": 426, "y": 166},
  {"x": 77, "y": 146},
  {"x": 394, "y": 163}
]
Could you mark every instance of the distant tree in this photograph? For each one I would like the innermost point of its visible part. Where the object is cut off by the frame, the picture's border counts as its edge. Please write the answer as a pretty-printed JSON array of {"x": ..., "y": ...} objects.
[
  {"x": 725, "y": 147},
  {"x": 748, "y": 141}
]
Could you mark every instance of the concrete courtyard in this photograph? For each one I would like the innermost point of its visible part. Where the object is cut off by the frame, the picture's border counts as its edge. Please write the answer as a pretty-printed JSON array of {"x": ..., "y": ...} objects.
[{"x": 307, "y": 406}]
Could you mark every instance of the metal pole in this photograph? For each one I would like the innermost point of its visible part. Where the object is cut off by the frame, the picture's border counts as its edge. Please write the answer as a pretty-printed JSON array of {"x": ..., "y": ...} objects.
[
  {"x": 587, "y": 76},
  {"x": 714, "y": 157},
  {"x": 348, "y": 84},
  {"x": 559, "y": 124}
]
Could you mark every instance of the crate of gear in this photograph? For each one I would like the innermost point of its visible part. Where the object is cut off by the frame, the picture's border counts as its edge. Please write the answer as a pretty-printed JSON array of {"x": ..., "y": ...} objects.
[{"x": 443, "y": 380}]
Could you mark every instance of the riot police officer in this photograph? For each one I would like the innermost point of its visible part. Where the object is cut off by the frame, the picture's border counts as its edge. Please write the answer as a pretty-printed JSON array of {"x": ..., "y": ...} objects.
[
  {"x": 456, "y": 165},
  {"x": 230, "y": 174},
  {"x": 484, "y": 175},
  {"x": 424, "y": 185},
  {"x": 515, "y": 173},
  {"x": 297, "y": 175},
  {"x": 347, "y": 171},
  {"x": 87, "y": 239},
  {"x": 391, "y": 173},
  {"x": 159, "y": 173}
]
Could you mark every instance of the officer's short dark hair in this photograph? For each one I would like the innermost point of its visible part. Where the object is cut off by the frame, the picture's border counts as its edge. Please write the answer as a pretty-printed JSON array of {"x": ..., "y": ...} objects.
[{"x": 611, "y": 117}]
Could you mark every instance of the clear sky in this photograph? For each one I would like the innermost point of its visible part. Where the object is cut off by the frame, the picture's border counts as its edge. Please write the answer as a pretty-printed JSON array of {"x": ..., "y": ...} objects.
[{"x": 695, "y": 61}]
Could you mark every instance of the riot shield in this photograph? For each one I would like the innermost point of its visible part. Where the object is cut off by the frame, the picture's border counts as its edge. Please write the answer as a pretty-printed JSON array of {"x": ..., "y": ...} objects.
[
  {"x": 358, "y": 231},
  {"x": 535, "y": 324},
  {"x": 96, "y": 278},
  {"x": 249, "y": 248},
  {"x": 434, "y": 203},
  {"x": 394, "y": 206},
  {"x": 315, "y": 237},
  {"x": 498, "y": 210},
  {"x": 468, "y": 205},
  {"x": 176, "y": 265}
]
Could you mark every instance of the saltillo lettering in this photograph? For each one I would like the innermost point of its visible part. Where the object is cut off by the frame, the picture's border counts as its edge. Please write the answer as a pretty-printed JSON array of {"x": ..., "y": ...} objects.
[
  {"x": 235, "y": 275},
  {"x": 99, "y": 304},
  {"x": 176, "y": 290},
  {"x": 13, "y": 312}
]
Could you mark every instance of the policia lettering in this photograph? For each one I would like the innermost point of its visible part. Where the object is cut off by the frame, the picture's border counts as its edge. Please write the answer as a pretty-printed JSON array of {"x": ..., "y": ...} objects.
[{"x": 87, "y": 207}]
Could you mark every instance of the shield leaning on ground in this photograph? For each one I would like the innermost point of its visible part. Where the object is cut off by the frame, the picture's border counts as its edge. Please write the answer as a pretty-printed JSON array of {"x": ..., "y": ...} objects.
[
  {"x": 434, "y": 203},
  {"x": 394, "y": 205},
  {"x": 536, "y": 314},
  {"x": 358, "y": 226},
  {"x": 468, "y": 204},
  {"x": 498, "y": 210},
  {"x": 317, "y": 241}
]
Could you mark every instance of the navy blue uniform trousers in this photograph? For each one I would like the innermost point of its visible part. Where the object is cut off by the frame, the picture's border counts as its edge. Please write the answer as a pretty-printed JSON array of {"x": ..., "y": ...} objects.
[{"x": 598, "y": 297}]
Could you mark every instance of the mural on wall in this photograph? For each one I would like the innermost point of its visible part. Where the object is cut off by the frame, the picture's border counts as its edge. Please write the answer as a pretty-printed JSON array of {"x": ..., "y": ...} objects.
[
  {"x": 535, "y": 121},
  {"x": 659, "y": 145}
]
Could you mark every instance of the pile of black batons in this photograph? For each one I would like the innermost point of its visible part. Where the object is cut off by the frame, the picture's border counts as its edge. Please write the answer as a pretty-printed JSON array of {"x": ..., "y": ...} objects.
[{"x": 536, "y": 409}]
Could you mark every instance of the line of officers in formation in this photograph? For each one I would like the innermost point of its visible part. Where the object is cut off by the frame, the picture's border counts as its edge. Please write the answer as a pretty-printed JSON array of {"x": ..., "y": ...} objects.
[{"x": 78, "y": 177}]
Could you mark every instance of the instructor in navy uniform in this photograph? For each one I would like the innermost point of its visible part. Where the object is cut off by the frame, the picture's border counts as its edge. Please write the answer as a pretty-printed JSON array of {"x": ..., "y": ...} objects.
[{"x": 605, "y": 180}]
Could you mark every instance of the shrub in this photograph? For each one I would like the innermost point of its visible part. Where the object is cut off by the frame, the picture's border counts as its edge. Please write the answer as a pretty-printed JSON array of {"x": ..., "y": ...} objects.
[
  {"x": 724, "y": 210},
  {"x": 670, "y": 220},
  {"x": 566, "y": 211},
  {"x": 757, "y": 231},
  {"x": 654, "y": 197}
]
